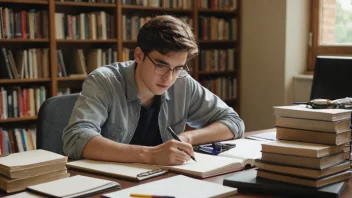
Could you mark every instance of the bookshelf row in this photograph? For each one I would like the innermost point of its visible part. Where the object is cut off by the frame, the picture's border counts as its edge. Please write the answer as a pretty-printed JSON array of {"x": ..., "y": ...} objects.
[
  {"x": 55, "y": 44},
  {"x": 17, "y": 140},
  {"x": 98, "y": 25},
  {"x": 33, "y": 63},
  {"x": 21, "y": 102}
]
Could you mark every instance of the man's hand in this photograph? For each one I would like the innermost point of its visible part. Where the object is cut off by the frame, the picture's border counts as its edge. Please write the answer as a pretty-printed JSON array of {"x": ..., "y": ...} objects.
[
  {"x": 184, "y": 137},
  {"x": 171, "y": 153}
]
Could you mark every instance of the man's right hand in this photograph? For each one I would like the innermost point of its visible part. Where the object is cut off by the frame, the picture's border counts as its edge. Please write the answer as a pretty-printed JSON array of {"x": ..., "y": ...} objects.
[{"x": 171, "y": 153}]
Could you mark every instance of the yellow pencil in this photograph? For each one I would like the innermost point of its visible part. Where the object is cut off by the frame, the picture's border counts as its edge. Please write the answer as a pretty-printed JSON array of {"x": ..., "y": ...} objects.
[{"x": 149, "y": 196}]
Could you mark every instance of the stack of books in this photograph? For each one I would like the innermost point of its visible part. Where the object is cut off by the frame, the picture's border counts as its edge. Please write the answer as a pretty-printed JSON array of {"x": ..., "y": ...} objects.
[
  {"x": 311, "y": 147},
  {"x": 19, "y": 170}
]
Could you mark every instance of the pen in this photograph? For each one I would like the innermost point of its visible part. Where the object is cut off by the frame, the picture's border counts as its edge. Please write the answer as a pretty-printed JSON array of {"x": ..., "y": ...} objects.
[
  {"x": 178, "y": 139},
  {"x": 149, "y": 196}
]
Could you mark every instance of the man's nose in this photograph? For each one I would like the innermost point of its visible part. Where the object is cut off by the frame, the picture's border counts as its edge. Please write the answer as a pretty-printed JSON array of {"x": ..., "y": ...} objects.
[{"x": 168, "y": 76}]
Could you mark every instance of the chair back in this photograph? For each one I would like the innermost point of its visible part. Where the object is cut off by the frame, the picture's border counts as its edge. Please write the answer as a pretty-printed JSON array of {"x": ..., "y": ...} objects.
[{"x": 53, "y": 117}]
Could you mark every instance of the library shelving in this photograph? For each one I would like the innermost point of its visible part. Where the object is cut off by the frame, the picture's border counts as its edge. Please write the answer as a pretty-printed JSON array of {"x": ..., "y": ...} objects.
[{"x": 54, "y": 44}]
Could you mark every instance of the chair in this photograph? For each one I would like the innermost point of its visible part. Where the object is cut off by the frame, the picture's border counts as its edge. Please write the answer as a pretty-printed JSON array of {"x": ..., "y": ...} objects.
[{"x": 53, "y": 117}]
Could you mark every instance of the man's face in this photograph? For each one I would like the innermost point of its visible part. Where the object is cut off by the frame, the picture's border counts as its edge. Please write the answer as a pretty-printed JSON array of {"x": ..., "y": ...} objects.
[{"x": 158, "y": 83}]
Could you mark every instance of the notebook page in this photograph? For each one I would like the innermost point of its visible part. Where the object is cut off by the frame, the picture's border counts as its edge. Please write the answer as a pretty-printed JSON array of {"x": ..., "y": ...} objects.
[
  {"x": 179, "y": 186},
  {"x": 245, "y": 149},
  {"x": 72, "y": 185},
  {"x": 206, "y": 163},
  {"x": 112, "y": 168}
]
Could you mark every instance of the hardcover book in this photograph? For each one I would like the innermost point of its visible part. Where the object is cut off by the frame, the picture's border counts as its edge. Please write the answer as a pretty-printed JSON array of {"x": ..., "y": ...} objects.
[{"x": 247, "y": 181}]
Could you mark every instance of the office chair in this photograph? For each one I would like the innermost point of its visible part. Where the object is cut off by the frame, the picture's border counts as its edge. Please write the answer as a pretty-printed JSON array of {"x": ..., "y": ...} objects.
[{"x": 53, "y": 117}]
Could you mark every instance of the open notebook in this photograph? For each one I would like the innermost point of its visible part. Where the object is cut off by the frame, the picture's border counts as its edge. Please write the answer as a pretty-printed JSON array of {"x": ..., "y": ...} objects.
[
  {"x": 136, "y": 172},
  {"x": 177, "y": 186},
  {"x": 206, "y": 166},
  {"x": 245, "y": 150}
]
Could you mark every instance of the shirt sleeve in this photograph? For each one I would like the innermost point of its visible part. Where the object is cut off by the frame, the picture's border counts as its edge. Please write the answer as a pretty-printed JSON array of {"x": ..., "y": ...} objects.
[
  {"x": 206, "y": 108},
  {"x": 88, "y": 115}
]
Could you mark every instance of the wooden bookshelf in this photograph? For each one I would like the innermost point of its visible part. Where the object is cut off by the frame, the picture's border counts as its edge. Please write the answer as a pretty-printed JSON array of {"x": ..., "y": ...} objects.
[
  {"x": 86, "y": 4},
  {"x": 15, "y": 81},
  {"x": 86, "y": 41},
  {"x": 117, "y": 10},
  {"x": 20, "y": 119},
  {"x": 20, "y": 40},
  {"x": 71, "y": 78},
  {"x": 44, "y": 2}
]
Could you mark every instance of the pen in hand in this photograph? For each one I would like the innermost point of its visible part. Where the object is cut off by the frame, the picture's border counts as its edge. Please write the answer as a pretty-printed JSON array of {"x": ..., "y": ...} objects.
[{"x": 178, "y": 139}]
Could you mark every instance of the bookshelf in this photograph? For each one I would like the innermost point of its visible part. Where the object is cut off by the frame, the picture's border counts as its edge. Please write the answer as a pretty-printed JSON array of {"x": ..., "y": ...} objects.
[{"x": 115, "y": 41}]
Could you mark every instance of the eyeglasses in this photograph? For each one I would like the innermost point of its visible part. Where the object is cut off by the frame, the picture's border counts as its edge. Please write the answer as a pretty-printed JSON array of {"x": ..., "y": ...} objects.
[{"x": 178, "y": 72}]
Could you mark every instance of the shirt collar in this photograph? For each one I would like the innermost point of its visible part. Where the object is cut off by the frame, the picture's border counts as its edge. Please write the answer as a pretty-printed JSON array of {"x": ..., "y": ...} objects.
[{"x": 131, "y": 84}]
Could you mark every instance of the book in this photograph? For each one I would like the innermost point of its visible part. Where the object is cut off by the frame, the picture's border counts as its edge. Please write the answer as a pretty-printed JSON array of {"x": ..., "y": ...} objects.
[
  {"x": 247, "y": 181},
  {"x": 210, "y": 165},
  {"x": 314, "y": 125},
  {"x": 246, "y": 150},
  {"x": 301, "y": 111},
  {"x": 313, "y": 136},
  {"x": 75, "y": 186},
  {"x": 130, "y": 171},
  {"x": 17, "y": 165},
  {"x": 206, "y": 166},
  {"x": 303, "y": 172},
  {"x": 177, "y": 186},
  {"x": 303, "y": 181},
  {"x": 301, "y": 148},
  {"x": 18, "y": 184},
  {"x": 301, "y": 161},
  {"x": 267, "y": 136}
]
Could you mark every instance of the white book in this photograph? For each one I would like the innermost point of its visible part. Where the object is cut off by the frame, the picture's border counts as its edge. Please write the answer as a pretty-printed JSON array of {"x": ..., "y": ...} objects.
[
  {"x": 177, "y": 186},
  {"x": 137, "y": 172},
  {"x": 75, "y": 186},
  {"x": 245, "y": 150}
]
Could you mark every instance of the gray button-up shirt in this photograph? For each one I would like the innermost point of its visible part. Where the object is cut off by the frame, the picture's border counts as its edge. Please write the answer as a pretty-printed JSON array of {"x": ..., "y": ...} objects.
[{"x": 109, "y": 106}]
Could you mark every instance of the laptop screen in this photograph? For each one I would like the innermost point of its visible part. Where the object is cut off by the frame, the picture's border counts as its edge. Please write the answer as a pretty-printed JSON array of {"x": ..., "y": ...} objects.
[{"x": 332, "y": 78}]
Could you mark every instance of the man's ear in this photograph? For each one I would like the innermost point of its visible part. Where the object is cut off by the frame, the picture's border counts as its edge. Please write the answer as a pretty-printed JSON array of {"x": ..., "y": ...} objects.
[{"x": 138, "y": 55}]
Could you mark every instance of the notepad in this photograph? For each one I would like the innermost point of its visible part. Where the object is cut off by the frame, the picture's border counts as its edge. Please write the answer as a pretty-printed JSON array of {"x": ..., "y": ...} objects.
[
  {"x": 208, "y": 166},
  {"x": 131, "y": 171},
  {"x": 178, "y": 186},
  {"x": 73, "y": 186},
  {"x": 205, "y": 166}
]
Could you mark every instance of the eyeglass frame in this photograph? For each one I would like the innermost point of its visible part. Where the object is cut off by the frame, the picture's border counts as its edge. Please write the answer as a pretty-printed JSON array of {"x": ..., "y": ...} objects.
[{"x": 185, "y": 69}]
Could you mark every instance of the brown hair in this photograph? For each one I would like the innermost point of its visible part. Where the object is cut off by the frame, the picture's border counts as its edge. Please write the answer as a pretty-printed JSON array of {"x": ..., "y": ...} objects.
[{"x": 165, "y": 34}]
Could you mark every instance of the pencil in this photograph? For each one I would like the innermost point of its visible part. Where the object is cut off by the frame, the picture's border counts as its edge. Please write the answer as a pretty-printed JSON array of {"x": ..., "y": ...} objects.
[{"x": 149, "y": 196}]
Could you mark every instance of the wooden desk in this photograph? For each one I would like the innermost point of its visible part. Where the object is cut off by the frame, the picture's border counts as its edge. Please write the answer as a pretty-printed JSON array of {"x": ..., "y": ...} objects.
[{"x": 218, "y": 179}]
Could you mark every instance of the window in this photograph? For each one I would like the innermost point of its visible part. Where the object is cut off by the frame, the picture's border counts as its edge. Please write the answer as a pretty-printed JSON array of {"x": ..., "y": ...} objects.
[{"x": 331, "y": 29}]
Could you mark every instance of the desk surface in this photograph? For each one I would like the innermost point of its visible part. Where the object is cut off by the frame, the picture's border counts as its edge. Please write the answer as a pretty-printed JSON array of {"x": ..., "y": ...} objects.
[{"x": 218, "y": 179}]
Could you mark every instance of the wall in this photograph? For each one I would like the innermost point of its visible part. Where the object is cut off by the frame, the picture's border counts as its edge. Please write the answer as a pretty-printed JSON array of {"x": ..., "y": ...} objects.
[{"x": 274, "y": 41}]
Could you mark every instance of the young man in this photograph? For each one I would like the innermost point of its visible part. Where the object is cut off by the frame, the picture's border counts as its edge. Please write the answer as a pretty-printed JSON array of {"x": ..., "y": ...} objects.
[{"x": 125, "y": 109}]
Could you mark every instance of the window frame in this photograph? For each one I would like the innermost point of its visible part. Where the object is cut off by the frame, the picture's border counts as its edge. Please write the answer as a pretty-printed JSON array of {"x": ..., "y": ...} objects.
[{"x": 314, "y": 48}]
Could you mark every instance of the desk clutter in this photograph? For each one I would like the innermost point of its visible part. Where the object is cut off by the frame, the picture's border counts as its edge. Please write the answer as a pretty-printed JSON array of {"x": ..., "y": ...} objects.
[
  {"x": 310, "y": 157},
  {"x": 312, "y": 148}
]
